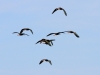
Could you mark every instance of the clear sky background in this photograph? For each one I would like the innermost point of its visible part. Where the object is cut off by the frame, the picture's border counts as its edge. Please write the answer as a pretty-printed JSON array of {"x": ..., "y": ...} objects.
[{"x": 19, "y": 55}]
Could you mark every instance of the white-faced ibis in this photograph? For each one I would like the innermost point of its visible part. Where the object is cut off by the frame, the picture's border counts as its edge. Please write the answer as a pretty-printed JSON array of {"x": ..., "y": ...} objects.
[
  {"x": 21, "y": 32},
  {"x": 59, "y": 8},
  {"x": 45, "y": 60},
  {"x": 43, "y": 41},
  {"x": 73, "y": 33}
]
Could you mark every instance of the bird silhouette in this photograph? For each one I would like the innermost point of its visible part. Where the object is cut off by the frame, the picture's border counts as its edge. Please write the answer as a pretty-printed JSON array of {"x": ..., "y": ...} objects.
[
  {"x": 58, "y": 33},
  {"x": 59, "y": 8},
  {"x": 73, "y": 33},
  {"x": 50, "y": 40},
  {"x": 21, "y": 32},
  {"x": 44, "y": 41},
  {"x": 45, "y": 60},
  {"x": 27, "y": 29}
]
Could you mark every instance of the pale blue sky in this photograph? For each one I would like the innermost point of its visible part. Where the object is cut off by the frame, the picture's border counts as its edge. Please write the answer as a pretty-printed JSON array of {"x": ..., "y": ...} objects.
[{"x": 69, "y": 55}]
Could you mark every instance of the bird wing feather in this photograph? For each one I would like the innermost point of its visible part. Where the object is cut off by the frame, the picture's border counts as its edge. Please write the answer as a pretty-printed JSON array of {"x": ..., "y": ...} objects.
[
  {"x": 15, "y": 32},
  {"x": 49, "y": 62},
  {"x": 65, "y": 12},
  {"x": 25, "y": 34},
  {"x": 76, "y": 34},
  {"x": 37, "y": 42},
  {"x": 31, "y": 31},
  {"x": 40, "y": 61},
  {"x": 47, "y": 42},
  {"x": 51, "y": 42},
  {"x": 54, "y": 10},
  {"x": 60, "y": 32},
  {"x": 22, "y": 30},
  {"x": 50, "y": 34},
  {"x": 26, "y": 29}
]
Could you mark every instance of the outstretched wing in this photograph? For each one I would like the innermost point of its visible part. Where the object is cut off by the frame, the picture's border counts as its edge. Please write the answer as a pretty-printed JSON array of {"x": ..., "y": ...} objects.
[
  {"x": 51, "y": 42},
  {"x": 64, "y": 12},
  {"x": 60, "y": 32},
  {"x": 40, "y": 61},
  {"x": 26, "y": 29},
  {"x": 52, "y": 39},
  {"x": 25, "y": 34},
  {"x": 49, "y": 62},
  {"x": 69, "y": 31},
  {"x": 54, "y": 10},
  {"x": 37, "y": 42},
  {"x": 76, "y": 34},
  {"x": 42, "y": 40},
  {"x": 47, "y": 42},
  {"x": 50, "y": 34},
  {"x": 22, "y": 30},
  {"x": 31, "y": 31},
  {"x": 15, "y": 32},
  {"x": 66, "y": 31}
]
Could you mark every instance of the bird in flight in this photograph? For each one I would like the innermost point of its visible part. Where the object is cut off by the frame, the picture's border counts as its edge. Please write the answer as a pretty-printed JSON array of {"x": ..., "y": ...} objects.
[
  {"x": 45, "y": 60},
  {"x": 21, "y": 32},
  {"x": 26, "y": 30},
  {"x": 59, "y": 8},
  {"x": 73, "y": 33},
  {"x": 50, "y": 41},
  {"x": 43, "y": 41},
  {"x": 58, "y": 33}
]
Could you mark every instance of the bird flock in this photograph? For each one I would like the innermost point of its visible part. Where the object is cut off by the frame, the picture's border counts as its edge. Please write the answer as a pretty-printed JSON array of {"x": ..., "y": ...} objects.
[{"x": 47, "y": 41}]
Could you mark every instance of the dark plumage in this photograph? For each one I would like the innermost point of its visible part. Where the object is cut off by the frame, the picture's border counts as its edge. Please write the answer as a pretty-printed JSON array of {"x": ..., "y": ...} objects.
[
  {"x": 26, "y": 29},
  {"x": 44, "y": 41},
  {"x": 21, "y": 32},
  {"x": 50, "y": 41},
  {"x": 40, "y": 41},
  {"x": 45, "y": 60},
  {"x": 58, "y": 33},
  {"x": 73, "y": 33},
  {"x": 59, "y": 8}
]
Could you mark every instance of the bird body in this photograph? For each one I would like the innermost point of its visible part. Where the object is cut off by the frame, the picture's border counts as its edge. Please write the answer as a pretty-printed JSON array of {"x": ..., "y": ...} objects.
[
  {"x": 21, "y": 32},
  {"x": 73, "y": 33},
  {"x": 44, "y": 41},
  {"x": 45, "y": 60},
  {"x": 59, "y": 8}
]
